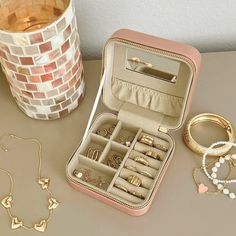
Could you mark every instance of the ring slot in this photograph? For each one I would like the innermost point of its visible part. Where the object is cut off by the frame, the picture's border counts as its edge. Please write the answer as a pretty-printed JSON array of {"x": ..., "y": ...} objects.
[
  {"x": 105, "y": 126},
  {"x": 141, "y": 169},
  {"x": 93, "y": 147},
  {"x": 124, "y": 195},
  {"x": 158, "y": 143},
  {"x": 97, "y": 175},
  {"x": 126, "y": 134},
  {"x": 140, "y": 147},
  {"x": 146, "y": 182},
  {"x": 152, "y": 163},
  {"x": 114, "y": 155}
]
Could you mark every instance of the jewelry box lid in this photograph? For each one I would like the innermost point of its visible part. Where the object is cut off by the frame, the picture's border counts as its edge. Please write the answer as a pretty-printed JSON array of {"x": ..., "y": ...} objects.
[{"x": 148, "y": 80}]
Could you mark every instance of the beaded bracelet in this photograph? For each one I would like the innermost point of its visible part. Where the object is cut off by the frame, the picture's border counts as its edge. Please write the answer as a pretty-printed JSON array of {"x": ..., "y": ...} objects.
[{"x": 222, "y": 160}]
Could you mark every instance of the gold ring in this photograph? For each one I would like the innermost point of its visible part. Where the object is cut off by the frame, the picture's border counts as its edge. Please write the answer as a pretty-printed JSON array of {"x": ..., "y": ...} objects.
[
  {"x": 136, "y": 194},
  {"x": 102, "y": 132},
  {"x": 89, "y": 152},
  {"x": 93, "y": 154},
  {"x": 135, "y": 180},
  {"x": 146, "y": 173},
  {"x": 121, "y": 187},
  {"x": 148, "y": 137},
  {"x": 141, "y": 160},
  {"x": 96, "y": 155},
  {"x": 219, "y": 120},
  {"x": 114, "y": 161},
  {"x": 142, "y": 172},
  {"x": 161, "y": 147},
  {"x": 132, "y": 168},
  {"x": 153, "y": 155},
  {"x": 146, "y": 141}
]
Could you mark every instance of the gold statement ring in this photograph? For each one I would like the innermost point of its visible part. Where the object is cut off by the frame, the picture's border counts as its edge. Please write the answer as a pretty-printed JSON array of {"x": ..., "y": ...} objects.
[
  {"x": 147, "y": 140},
  {"x": 134, "y": 180},
  {"x": 214, "y": 118}
]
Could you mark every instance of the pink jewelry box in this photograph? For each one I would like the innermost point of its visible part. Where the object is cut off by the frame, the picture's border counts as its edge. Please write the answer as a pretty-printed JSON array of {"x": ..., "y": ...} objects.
[{"x": 147, "y": 83}]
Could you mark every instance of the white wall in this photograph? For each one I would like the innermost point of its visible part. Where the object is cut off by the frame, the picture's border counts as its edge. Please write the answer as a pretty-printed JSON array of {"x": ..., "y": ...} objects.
[{"x": 209, "y": 25}]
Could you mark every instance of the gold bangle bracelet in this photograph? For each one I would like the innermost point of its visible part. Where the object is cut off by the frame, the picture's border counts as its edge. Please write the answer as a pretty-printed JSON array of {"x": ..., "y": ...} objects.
[{"x": 217, "y": 119}]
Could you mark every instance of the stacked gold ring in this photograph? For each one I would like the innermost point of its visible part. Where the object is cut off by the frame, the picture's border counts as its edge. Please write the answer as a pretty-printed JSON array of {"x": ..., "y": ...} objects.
[
  {"x": 148, "y": 140},
  {"x": 134, "y": 180},
  {"x": 217, "y": 119}
]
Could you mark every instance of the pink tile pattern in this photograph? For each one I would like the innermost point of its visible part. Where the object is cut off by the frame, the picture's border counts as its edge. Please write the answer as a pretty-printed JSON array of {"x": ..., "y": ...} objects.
[{"x": 42, "y": 64}]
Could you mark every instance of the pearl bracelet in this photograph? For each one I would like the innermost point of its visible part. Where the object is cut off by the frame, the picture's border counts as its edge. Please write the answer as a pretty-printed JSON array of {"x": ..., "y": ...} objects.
[
  {"x": 215, "y": 181},
  {"x": 217, "y": 164}
]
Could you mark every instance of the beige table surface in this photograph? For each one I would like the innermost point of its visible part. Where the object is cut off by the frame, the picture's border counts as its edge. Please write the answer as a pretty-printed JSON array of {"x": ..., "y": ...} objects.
[{"x": 177, "y": 209}]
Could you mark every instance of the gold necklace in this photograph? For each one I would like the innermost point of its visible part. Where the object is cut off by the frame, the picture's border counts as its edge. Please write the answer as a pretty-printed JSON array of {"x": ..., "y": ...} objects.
[{"x": 44, "y": 182}]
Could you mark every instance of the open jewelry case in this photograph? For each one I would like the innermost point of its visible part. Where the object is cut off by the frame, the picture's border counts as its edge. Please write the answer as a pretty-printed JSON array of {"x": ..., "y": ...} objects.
[{"x": 147, "y": 83}]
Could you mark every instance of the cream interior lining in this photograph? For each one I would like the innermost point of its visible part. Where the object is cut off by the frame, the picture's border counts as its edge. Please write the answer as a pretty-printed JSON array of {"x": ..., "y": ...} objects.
[
  {"x": 147, "y": 98},
  {"x": 119, "y": 176},
  {"x": 124, "y": 87}
]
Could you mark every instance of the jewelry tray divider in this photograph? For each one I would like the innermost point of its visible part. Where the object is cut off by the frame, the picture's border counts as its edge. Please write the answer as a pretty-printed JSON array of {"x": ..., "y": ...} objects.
[{"x": 111, "y": 175}]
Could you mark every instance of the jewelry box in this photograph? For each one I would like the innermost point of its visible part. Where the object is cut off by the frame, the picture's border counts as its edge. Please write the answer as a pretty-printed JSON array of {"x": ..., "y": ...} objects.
[{"x": 147, "y": 83}]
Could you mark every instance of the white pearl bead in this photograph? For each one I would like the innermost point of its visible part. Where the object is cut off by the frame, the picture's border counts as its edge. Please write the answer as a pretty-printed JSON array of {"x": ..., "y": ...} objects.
[
  {"x": 220, "y": 186},
  {"x": 222, "y": 160},
  {"x": 232, "y": 195},
  {"x": 214, "y": 169},
  {"x": 215, "y": 181},
  {"x": 217, "y": 164},
  {"x": 225, "y": 191},
  {"x": 227, "y": 157},
  {"x": 233, "y": 156},
  {"x": 213, "y": 175}
]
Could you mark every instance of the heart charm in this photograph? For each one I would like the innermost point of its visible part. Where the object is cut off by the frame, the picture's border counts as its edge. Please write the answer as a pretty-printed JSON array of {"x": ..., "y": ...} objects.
[
  {"x": 41, "y": 227},
  {"x": 202, "y": 188},
  {"x": 6, "y": 202},
  {"x": 53, "y": 203},
  {"x": 44, "y": 182},
  {"x": 16, "y": 223}
]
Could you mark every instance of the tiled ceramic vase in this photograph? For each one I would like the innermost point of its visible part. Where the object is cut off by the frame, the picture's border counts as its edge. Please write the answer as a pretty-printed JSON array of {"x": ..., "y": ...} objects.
[{"x": 40, "y": 56}]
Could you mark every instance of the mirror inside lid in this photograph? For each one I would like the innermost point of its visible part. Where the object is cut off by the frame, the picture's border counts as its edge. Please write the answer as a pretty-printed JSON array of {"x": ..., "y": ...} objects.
[{"x": 151, "y": 82}]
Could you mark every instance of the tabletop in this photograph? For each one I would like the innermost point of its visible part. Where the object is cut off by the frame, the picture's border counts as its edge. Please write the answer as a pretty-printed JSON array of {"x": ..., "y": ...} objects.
[{"x": 177, "y": 208}]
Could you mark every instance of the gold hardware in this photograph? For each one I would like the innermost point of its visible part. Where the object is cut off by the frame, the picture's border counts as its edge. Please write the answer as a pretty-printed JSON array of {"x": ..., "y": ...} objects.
[{"x": 163, "y": 129}]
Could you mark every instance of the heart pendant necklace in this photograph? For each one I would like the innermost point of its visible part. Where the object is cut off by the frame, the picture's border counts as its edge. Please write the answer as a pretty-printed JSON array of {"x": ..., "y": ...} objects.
[
  {"x": 43, "y": 182},
  {"x": 201, "y": 187}
]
